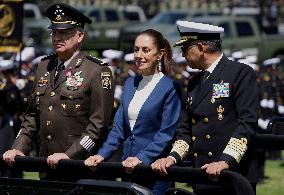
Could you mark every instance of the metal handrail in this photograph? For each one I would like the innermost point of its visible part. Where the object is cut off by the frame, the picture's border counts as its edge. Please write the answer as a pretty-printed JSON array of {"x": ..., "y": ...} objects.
[{"x": 116, "y": 170}]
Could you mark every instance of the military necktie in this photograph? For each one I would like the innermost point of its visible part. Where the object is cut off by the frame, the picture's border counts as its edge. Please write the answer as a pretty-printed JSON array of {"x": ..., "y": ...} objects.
[
  {"x": 204, "y": 76},
  {"x": 59, "y": 69}
]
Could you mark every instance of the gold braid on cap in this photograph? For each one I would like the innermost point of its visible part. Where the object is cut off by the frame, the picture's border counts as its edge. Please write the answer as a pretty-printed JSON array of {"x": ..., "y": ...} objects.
[
  {"x": 180, "y": 147},
  {"x": 236, "y": 148},
  {"x": 65, "y": 22},
  {"x": 188, "y": 37}
]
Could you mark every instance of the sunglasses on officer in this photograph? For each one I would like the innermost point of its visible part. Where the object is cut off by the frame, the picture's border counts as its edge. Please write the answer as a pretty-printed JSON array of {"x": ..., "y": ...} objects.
[{"x": 187, "y": 47}]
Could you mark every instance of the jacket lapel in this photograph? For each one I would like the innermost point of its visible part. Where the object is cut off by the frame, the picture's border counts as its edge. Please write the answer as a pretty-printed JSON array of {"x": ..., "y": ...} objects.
[
  {"x": 129, "y": 95},
  {"x": 208, "y": 85},
  {"x": 51, "y": 69},
  {"x": 75, "y": 63}
]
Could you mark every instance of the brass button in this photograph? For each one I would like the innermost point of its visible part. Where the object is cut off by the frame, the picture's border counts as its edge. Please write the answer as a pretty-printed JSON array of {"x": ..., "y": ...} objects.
[
  {"x": 50, "y": 108},
  {"x": 195, "y": 155},
  {"x": 193, "y": 121},
  {"x": 37, "y": 93},
  {"x": 52, "y": 94},
  {"x": 207, "y": 136},
  {"x": 210, "y": 154},
  {"x": 48, "y": 123},
  {"x": 205, "y": 120},
  {"x": 193, "y": 138},
  {"x": 70, "y": 97},
  {"x": 49, "y": 137}
]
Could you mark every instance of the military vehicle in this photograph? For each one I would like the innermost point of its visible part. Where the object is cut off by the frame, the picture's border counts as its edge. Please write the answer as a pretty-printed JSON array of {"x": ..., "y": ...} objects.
[
  {"x": 241, "y": 34},
  {"x": 163, "y": 22}
]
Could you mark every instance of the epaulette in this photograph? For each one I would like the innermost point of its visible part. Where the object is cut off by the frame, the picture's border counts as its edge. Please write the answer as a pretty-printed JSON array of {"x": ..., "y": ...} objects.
[
  {"x": 97, "y": 60},
  {"x": 49, "y": 56}
]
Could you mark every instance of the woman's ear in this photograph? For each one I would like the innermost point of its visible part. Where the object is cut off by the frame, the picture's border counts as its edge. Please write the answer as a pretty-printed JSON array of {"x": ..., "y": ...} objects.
[{"x": 161, "y": 53}]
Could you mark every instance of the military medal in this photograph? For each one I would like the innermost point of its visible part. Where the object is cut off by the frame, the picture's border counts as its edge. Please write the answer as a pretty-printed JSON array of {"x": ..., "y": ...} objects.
[
  {"x": 220, "y": 111},
  {"x": 221, "y": 90},
  {"x": 75, "y": 81},
  {"x": 106, "y": 80}
]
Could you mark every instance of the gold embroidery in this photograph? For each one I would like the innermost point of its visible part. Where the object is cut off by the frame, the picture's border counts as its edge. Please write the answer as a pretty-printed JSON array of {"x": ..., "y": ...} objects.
[
  {"x": 236, "y": 148},
  {"x": 180, "y": 147}
]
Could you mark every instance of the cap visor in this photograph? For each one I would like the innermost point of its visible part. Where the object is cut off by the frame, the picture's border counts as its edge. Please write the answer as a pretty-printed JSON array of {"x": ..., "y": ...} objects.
[{"x": 60, "y": 26}]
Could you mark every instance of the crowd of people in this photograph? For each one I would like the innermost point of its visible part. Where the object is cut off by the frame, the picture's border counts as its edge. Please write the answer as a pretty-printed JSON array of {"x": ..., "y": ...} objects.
[{"x": 201, "y": 107}]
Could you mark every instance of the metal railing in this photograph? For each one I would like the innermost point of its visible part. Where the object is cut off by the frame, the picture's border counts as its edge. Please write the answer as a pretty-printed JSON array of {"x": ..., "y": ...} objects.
[{"x": 116, "y": 170}]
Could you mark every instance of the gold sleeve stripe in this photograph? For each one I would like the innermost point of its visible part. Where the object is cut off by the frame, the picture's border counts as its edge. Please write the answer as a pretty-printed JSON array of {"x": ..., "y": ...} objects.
[
  {"x": 236, "y": 148},
  {"x": 180, "y": 147}
]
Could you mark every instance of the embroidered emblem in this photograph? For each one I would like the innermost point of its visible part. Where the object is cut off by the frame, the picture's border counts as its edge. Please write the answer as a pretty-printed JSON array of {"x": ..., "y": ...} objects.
[
  {"x": 221, "y": 90},
  {"x": 106, "y": 80},
  {"x": 220, "y": 111},
  {"x": 42, "y": 82},
  {"x": 75, "y": 81}
]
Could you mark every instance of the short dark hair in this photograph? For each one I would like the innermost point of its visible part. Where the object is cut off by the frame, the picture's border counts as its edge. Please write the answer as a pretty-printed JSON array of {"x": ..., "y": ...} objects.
[{"x": 213, "y": 45}]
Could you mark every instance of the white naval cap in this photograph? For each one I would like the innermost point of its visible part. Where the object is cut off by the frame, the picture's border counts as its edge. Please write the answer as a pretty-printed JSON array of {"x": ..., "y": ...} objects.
[
  {"x": 129, "y": 57},
  {"x": 112, "y": 54},
  {"x": 271, "y": 61},
  {"x": 197, "y": 31},
  {"x": 7, "y": 65},
  {"x": 27, "y": 54}
]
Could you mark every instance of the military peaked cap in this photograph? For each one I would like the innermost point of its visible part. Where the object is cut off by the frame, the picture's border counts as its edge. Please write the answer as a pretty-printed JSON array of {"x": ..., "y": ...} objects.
[{"x": 64, "y": 16}]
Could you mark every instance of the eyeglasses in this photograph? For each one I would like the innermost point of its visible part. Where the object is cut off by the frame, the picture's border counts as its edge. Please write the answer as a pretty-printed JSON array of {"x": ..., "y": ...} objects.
[
  {"x": 64, "y": 34},
  {"x": 187, "y": 47}
]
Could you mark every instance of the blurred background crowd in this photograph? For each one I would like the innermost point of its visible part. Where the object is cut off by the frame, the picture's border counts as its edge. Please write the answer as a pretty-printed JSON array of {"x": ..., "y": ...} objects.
[{"x": 253, "y": 35}]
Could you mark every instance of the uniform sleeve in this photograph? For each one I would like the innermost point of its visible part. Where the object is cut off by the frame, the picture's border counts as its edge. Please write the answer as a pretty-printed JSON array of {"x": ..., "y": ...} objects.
[
  {"x": 163, "y": 137},
  {"x": 246, "y": 102},
  {"x": 182, "y": 139},
  {"x": 28, "y": 130},
  {"x": 101, "y": 104}
]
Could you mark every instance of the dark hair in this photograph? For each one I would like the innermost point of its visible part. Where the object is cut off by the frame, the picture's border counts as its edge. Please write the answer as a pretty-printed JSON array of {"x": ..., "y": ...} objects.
[
  {"x": 212, "y": 45},
  {"x": 161, "y": 43}
]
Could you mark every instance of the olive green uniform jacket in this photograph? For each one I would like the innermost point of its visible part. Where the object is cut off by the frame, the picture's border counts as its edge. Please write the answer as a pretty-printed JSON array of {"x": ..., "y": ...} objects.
[{"x": 70, "y": 115}]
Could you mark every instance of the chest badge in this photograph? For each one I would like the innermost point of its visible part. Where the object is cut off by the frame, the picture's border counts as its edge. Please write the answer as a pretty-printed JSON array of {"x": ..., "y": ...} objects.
[
  {"x": 43, "y": 80},
  {"x": 220, "y": 111},
  {"x": 106, "y": 80},
  {"x": 73, "y": 82},
  {"x": 221, "y": 90}
]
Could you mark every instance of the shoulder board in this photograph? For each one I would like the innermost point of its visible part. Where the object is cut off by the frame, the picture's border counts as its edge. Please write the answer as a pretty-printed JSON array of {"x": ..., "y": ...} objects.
[
  {"x": 97, "y": 60},
  {"x": 49, "y": 56}
]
